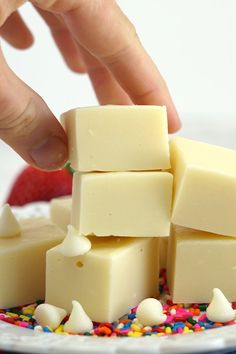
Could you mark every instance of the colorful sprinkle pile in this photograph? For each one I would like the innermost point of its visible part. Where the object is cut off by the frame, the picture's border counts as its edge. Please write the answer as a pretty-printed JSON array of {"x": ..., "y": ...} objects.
[{"x": 181, "y": 319}]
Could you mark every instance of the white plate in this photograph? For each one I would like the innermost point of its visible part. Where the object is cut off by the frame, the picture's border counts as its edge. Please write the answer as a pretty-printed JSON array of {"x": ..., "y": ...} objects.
[{"x": 25, "y": 340}]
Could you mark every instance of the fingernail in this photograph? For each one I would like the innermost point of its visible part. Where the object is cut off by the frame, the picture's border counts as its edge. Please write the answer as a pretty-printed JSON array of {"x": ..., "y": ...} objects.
[{"x": 50, "y": 154}]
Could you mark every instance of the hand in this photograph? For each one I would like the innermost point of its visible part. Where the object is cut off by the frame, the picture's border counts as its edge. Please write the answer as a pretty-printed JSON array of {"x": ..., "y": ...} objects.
[{"x": 94, "y": 36}]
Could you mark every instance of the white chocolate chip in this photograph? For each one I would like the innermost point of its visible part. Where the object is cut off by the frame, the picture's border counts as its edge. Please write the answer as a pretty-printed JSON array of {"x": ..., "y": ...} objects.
[
  {"x": 78, "y": 322},
  {"x": 74, "y": 244},
  {"x": 49, "y": 315},
  {"x": 9, "y": 226},
  {"x": 219, "y": 309},
  {"x": 149, "y": 312}
]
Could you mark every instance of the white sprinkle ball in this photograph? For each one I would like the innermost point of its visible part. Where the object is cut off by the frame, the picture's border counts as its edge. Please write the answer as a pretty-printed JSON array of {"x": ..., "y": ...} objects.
[
  {"x": 173, "y": 312},
  {"x": 38, "y": 329}
]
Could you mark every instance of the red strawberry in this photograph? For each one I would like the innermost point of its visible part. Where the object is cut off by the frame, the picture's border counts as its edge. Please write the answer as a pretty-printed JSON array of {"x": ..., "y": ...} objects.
[{"x": 35, "y": 185}]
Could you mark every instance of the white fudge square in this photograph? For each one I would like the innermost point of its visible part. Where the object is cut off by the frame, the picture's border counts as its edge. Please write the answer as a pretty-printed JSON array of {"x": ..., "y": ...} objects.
[
  {"x": 199, "y": 261},
  {"x": 114, "y": 276},
  {"x": 117, "y": 138},
  {"x": 122, "y": 203},
  {"x": 23, "y": 262},
  {"x": 204, "y": 186},
  {"x": 60, "y": 211}
]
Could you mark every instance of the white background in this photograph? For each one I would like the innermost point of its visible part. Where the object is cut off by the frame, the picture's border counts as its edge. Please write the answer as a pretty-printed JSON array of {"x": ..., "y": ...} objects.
[{"x": 192, "y": 41}]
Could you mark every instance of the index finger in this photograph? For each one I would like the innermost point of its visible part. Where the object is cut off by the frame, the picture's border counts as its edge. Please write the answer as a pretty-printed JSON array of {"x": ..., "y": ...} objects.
[
  {"x": 107, "y": 33},
  {"x": 103, "y": 30}
]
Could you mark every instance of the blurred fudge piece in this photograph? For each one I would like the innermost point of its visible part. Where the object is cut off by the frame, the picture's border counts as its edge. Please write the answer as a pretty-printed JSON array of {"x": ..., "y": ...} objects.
[{"x": 23, "y": 262}]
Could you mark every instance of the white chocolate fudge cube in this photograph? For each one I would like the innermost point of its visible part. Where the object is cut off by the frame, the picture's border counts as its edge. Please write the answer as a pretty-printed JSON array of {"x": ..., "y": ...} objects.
[
  {"x": 23, "y": 262},
  {"x": 204, "y": 186},
  {"x": 199, "y": 261},
  {"x": 114, "y": 276},
  {"x": 117, "y": 138},
  {"x": 122, "y": 203},
  {"x": 60, "y": 211}
]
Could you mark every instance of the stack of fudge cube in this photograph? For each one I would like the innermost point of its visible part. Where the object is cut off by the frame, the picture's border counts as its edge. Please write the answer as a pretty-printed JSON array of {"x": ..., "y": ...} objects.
[
  {"x": 121, "y": 200},
  {"x": 123, "y": 188},
  {"x": 202, "y": 246}
]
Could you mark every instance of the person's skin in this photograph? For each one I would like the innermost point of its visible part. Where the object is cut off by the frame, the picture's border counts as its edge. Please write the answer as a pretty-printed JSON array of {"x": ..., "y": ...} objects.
[{"x": 95, "y": 37}]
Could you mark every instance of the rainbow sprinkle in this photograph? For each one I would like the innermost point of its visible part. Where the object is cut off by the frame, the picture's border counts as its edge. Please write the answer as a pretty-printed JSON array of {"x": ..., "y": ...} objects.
[{"x": 181, "y": 319}]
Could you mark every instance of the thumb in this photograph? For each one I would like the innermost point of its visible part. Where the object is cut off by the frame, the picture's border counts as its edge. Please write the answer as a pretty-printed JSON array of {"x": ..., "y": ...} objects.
[{"x": 27, "y": 124}]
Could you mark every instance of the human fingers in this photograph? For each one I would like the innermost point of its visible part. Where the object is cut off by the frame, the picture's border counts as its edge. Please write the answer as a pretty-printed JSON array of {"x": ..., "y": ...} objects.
[
  {"x": 107, "y": 89},
  {"x": 64, "y": 41},
  {"x": 104, "y": 31},
  {"x": 78, "y": 59},
  {"x": 116, "y": 44},
  {"x": 27, "y": 124},
  {"x": 15, "y": 32},
  {"x": 7, "y": 8}
]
